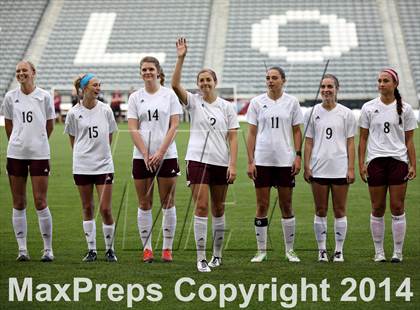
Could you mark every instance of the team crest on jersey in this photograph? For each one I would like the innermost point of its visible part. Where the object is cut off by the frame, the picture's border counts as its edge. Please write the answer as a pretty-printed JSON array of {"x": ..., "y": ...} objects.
[
  {"x": 317, "y": 118},
  {"x": 264, "y": 106},
  {"x": 80, "y": 116},
  {"x": 376, "y": 111}
]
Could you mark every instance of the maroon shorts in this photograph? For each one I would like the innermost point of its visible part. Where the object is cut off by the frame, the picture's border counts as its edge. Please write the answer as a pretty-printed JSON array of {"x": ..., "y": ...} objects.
[
  {"x": 330, "y": 181},
  {"x": 169, "y": 169},
  {"x": 201, "y": 173},
  {"x": 274, "y": 176},
  {"x": 20, "y": 167},
  {"x": 97, "y": 179},
  {"x": 386, "y": 171}
]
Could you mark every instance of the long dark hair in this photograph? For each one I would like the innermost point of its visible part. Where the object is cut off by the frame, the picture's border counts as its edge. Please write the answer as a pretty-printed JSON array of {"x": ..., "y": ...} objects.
[{"x": 397, "y": 94}]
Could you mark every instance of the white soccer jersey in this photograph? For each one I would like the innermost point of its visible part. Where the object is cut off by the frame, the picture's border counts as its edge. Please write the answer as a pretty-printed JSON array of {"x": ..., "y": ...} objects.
[
  {"x": 274, "y": 119},
  {"x": 210, "y": 123},
  {"x": 90, "y": 129},
  {"x": 330, "y": 131},
  {"x": 386, "y": 135},
  {"x": 153, "y": 111},
  {"x": 29, "y": 114}
]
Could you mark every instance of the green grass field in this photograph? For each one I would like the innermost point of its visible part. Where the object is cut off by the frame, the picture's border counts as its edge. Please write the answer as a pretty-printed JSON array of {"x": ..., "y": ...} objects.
[{"x": 69, "y": 245}]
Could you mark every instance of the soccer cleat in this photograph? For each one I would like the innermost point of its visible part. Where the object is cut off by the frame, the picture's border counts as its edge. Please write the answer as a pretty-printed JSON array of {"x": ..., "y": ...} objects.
[
  {"x": 48, "y": 256},
  {"x": 167, "y": 255},
  {"x": 338, "y": 257},
  {"x": 215, "y": 261},
  {"x": 396, "y": 258},
  {"x": 203, "y": 266},
  {"x": 259, "y": 257},
  {"x": 110, "y": 256},
  {"x": 292, "y": 257},
  {"x": 23, "y": 256},
  {"x": 90, "y": 256},
  {"x": 379, "y": 258},
  {"x": 322, "y": 256},
  {"x": 148, "y": 256}
]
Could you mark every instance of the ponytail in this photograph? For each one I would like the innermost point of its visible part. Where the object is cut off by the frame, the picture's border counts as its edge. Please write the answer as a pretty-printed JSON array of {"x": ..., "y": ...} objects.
[
  {"x": 397, "y": 96},
  {"x": 162, "y": 77},
  {"x": 77, "y": 86}
]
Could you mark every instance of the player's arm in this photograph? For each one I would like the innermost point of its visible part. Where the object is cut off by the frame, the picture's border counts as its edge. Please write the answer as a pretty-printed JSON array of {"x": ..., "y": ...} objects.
[
  {"x": 297, "y": 141},
  {"x": 156, "y": 158},
  {"x": 71, "y": 141},
  {"x": 250, "y": 148},
  {"x": 133, "y": 128},
  {"x": 351, "y": 154},
  {"x": 363, "y": 137},
  {"x": 8, "y": 126},
  {"x": 181, "y": 48},
  {"x": 309, "y": 144},
  {"x": 411, "y": 152},
  {"x": 49, "y": 127},
  {"x": 233, "y": 145}
]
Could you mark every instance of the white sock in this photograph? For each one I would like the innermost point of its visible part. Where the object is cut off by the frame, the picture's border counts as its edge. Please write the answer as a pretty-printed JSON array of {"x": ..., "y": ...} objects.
[
  {"x": 261, "y": 225},
  {"x": 89, "y": 227},
  {"x": 20, "y": 228},
  {"x": 288, "y": 232},
  {"x": 145, "y": 223},
  {"x": 398, "y": 232},
  {"x": 377, "y": 227},
  {"x": 320, "y": 228},
  {"x": 45, "y": 227},
  {"x": 108, "y": 231},
  {"x": 168, "y": 227},
  {"x": 200, "y": 235},
  {"x": 218, "y": 229},
  {"x": 340, "y": 229}
]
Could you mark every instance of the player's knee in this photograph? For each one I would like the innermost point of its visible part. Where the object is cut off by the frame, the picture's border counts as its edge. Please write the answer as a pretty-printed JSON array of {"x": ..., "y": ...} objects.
[
  {"x": 145, "y": 205},
  {"x": 201, "y": 209},
  {"x": 378, "y": 212},
  {"x": 106, "y": 215},
  {"x": 321, "y": 212},
  {"x": 397, "y": 209},
  {"x": 40, "y": 203}
]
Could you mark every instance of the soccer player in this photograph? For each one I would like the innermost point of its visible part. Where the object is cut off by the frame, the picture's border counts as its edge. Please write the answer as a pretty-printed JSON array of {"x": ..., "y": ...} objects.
[
  {"x": 274, "y": 119},
  {"x": 329, "y": 163},
  {"x": 90, "y": 125},
  {"x": 211, "y": 155},
  {"x": 29, "y": 120},
  {"x": 153, "y": 118},
  {"x": 386, "y": 131}
]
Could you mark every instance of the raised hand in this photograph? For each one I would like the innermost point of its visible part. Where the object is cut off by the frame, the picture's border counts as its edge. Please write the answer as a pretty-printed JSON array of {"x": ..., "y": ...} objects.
[{"x": 181, "y": 47}]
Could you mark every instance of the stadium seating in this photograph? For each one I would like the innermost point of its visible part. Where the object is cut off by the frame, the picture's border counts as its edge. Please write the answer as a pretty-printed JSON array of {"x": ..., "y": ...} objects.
[
  {"x": 139, "y": 26},
  {"x": 18, "y": 22},
  {"x": 409, "y": 11},
  {"x": 109, "y": 37},
  {"x": 356, "y": 68}
]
